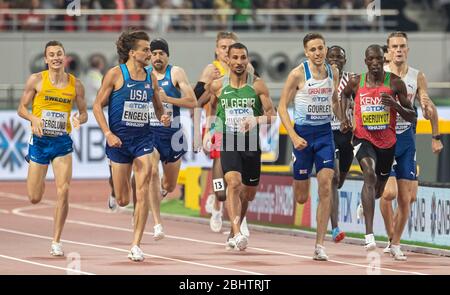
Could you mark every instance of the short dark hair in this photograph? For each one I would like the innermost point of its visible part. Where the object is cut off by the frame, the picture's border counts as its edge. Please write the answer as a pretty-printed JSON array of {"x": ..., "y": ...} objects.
[
  {"x": 312, "y": 36},
  {"x": 385, "y": 48},
  {"x": 237, "y": 46},
  {"x": 397, "y": 34},
  {"x": 53, "y": 43},
  {"x": 373, "y": 47},
  {"x": 127, "y": 41},
  {"x": 337, "y": 47}
]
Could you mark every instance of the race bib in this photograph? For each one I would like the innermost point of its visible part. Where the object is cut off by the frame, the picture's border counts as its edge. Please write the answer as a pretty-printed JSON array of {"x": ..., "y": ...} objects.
[
  {"x": 55, "y": 123},
  {"x": 168, "y": 109},
  {"x": 375, "y": 117},
  {"x": 235, "y": 116},
  {"x": 135, "y": 114},
  {"x": 320, "y": 110},
  {"x": 402, "y": 125}
]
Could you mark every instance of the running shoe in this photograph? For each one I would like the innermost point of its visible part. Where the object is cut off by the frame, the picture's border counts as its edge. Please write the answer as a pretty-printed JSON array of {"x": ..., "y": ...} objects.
[
  {"x": 337, "y": 234},
  {"x": 56, "y": 249},
  {"x": 241, "y": 242},
  {"x": 387, "y": 250},
  {"x": 158, "y": 233},
  {"x": 244, "y": 228},
  {"x": 319, "y": 253},
  {"x": 397, "y": 253},
  {"x": 210, "y": 203},
  {"x": 136, "y": 254},
  {"x": 230, "y": 244},
  {"x": 112, "y": 203},
  {"x": 370, "y": 242}
]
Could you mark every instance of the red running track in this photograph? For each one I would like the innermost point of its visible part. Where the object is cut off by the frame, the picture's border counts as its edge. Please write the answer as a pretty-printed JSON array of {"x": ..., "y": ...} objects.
[{"x": 101, "y": 240}]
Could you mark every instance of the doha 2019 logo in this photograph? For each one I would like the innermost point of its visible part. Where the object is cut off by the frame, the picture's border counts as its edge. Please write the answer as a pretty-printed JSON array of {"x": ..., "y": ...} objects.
[{"x": 13, "y": 145}]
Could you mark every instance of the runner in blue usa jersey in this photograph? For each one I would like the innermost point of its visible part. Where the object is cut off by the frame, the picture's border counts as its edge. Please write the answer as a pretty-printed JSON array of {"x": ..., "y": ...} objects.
[{"x": 129, "y": 90}]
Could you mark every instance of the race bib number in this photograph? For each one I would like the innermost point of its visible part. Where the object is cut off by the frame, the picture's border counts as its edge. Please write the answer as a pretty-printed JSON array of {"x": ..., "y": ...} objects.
[
  {"x": 55, "y": 123},
  {"x": 168, "y": 109},
  {"x": 375, "y": 117},
  {"x": 135, "y": 114},
  {"x": 402, "y": 125},
  {"x": 335, "y": 123},
  {"x": 320, "y": 110},
  {"x": 235, "y": 116}
]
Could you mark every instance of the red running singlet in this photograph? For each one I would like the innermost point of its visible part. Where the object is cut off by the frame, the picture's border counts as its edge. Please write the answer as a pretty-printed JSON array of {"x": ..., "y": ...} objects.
[{"x": 374, "y": 121}]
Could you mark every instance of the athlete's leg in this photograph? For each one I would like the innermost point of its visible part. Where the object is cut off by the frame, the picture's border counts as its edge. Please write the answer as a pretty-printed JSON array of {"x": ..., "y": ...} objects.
[
  {"x": 142, "y": 168},
  {"x": 62, "y": 169},
  {"x": 334, "y": 214},
  {"x": 324, "y": 179},
  {"x": 36, "y": 181},
  {"x": 234, "y": 205},
  {"x": 155, "y": 188},
  {"x": 301, "y": 190},
  {"x": 121, "y": 173},
  {"x": 389, "y": 194},
  {"x": 368, "y": 191},
  {"x": 405, "y": 188},
  {"x": 170, "y": 176}
]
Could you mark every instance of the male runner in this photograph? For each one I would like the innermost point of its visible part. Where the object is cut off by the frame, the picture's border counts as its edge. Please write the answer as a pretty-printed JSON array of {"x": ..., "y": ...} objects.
[
  {"x": 379, "y": 96},
  {"x": 218, "y": 68},
  {"x": 170, "y": 143},
  {"x": 128, "y": 90},
  {"x": 243, "y": 102},
  {"x": 52, "y": 93},
  {"x": 403, "y": 179},
  {"x": 342, "y": 135},
  {"x": 313, "y": 87}
]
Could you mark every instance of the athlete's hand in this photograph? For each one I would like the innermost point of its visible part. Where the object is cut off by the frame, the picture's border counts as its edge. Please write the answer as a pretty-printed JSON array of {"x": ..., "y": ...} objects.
[
  {"x": 162, "y": 95},
  {"x": 216, "y": 74},
  {"x": 76, "y": 120},
  {"x": 248, "y": 124},
  {"x": 37, "y": 126},
  {"x": 165, "y": 120},
  {"x": 113, "y": 140},
  {"x": 346, "y": 126},
  {"x": 388, "y": 100},
  {"x": 197, "y": 144},
  {"x": 436, "y": 146},
  {"x": 207, "y": 143},
  {"x": 299, "y": 142}
]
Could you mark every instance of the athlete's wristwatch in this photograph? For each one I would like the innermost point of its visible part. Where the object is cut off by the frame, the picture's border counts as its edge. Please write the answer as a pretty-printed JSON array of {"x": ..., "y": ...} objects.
[{"x": 437, "y": 137}]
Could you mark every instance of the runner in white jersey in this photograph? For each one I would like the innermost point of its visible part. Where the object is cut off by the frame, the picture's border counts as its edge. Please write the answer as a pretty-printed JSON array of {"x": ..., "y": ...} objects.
[
  {"x": 311, "y": 86},
  {"x": 403, "y": 179},
  {"x": 342, "y": 135}
]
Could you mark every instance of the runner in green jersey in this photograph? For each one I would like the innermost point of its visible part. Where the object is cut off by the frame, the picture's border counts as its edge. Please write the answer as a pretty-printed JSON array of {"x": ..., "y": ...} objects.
[{"x": 243, "y": 103}]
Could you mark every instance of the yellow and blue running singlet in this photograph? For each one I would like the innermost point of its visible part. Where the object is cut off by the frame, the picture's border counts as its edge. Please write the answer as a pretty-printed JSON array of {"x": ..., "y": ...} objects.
[{"x": 53, "y": 105}]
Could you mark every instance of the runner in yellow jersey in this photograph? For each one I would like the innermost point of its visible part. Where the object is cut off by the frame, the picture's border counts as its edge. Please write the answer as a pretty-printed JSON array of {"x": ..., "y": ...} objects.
[{"x": 52, "y": 94}]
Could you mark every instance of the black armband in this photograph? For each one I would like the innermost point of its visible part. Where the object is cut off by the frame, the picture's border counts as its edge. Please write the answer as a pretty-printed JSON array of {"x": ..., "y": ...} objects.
[{"x": 199, "y": 89}]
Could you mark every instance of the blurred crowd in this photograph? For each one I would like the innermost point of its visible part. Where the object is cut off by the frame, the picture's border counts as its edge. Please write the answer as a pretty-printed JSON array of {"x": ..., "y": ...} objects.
[{"x": 154, "y": 21}]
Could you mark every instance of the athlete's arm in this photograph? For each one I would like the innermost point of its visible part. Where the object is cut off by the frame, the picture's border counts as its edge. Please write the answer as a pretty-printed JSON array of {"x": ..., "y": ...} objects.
[
  {"x": 157, "y": 104},
  {"x": 102, "y": 100},
  {"x": 262, "y": 91},
  {"x": 179, "y": 78},
  {"x": 295, "y": 80},
  {"x": 429, "y": 111},
  {"x": 337, "y": 106},
  {"x": 209, "y": 74},
  {"x": 213, "y": 89},
  {"x": 403, "y": 106},
  {"x": 82, "y": 116},
  {"x": 25, "y": 101},
  {"x": 350, "y": 90}
]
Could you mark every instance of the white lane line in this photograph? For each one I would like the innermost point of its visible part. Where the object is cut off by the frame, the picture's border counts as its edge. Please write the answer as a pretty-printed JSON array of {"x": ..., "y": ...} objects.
[
  {"x": 68, "y": 270},
  {"x": 127, "y": 251},
  {"x": 18, "y": 211},
  {"x": 4, "y": 211}
]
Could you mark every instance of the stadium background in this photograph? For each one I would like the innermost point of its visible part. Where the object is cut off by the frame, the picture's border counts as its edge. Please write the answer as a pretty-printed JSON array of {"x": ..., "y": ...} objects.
[{"x": 273, "y": 31}]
